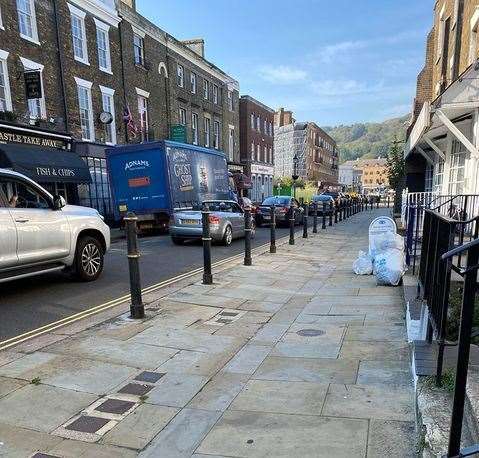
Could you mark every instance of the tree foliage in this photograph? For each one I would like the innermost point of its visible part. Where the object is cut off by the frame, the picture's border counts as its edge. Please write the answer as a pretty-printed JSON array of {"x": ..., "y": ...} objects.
[{"x": 396, "y": 164}]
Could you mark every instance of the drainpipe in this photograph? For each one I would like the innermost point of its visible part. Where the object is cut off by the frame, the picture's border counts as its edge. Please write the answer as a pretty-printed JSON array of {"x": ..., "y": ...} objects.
[
  {"x": 123, "y": 79},
  {"x": 458, "y": 43},
  {"x": 61, "y": 65},
  {"x": 167, "y": 91}
]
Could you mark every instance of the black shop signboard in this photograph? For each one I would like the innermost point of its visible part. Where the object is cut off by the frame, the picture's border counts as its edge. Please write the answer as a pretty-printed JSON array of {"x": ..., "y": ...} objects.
[{"x": 33, "y": 84}]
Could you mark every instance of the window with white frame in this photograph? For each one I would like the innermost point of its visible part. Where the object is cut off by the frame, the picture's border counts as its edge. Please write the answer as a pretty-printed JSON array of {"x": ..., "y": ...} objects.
[
  {"x": 139, "y": 49},
  {"x": 438, "y": 177},
  {"x": 215, "y": 94},
  {"x": 206, "y": 89},
  {"x": 216, "y": 137},
  {"x": 182, "y": 113},
  {"x": 258, "y": 152},
  {"x": 103, "y": 45},
  {"x": 441, "y": 35},
  {"x": 207, "y": 131},
  {"x": 473, "y": 37},
  {"x": 80, "y": 51},
  {"x": 108, "y": 105},
  {"x": 27, "y": 21},
  {"x": 258, "y": 123},
  {"x": 252, "y": 151},
  {"x": 36, "y": 107},
  {"x": 143, "y": 114},
  {"x": 180, "y": 73},
  {"x": 5, "y": 95},
  {"x": 252, "y": 120},
  {"x": 457, "y": 169},
  {"x": 85, "y": 109},
  {"x": 193, "y": 82},
  {"x": 428, "y": 178},
  {"x": 1, "y": 20},
  {"x": 194, "y": 128},
  {"x": 230, "y": 101}
]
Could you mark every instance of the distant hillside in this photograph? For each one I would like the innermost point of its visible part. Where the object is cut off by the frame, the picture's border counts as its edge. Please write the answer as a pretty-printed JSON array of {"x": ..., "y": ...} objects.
[{"x": 369, "y": 140}]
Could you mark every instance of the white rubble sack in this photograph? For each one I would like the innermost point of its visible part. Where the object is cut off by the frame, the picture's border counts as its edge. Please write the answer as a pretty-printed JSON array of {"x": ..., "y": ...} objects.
[
  {"x": 389, "y": 267},
  {"x": 385, "y": 241},
  {"x": 363, "y": 265}
]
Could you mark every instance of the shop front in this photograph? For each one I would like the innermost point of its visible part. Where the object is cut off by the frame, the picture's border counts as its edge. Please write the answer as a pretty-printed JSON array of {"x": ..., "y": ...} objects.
[
  {"x": 262, "y": 182},
  {"x": 45, "y": 157}
]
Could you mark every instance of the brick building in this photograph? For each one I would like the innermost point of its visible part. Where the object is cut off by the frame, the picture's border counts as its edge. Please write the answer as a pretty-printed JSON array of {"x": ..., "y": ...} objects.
[
  {"x": 442, "y": 147},
  {"x": 256, "y": 146},
  {"x": 91, "y": 61},
  {"x": 316, "y": 151}
]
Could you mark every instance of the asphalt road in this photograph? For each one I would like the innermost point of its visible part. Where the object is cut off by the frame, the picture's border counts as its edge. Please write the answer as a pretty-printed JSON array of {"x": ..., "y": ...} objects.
[{"x": 31, "y": 303}]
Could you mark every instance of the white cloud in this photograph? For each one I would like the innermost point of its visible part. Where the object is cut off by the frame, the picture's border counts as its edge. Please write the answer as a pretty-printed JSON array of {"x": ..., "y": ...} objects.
[
  {"x": 282, "y": 74},
  {"x": 328, "y": 53},
  {"x": 338, "y": 88}
]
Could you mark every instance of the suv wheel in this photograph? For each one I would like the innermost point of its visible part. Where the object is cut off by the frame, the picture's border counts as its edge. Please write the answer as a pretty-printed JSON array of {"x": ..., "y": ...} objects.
[
  {"x": 89, "y": 259},
  {"x": 228, "y": 236}
]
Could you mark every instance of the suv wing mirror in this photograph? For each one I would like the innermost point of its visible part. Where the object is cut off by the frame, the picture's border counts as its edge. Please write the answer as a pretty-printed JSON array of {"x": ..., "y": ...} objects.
[{"x": 58, "y": 202}]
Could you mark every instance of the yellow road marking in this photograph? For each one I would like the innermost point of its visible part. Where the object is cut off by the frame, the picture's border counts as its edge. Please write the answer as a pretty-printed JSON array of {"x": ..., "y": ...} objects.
[{"x": 5, "y": 344}]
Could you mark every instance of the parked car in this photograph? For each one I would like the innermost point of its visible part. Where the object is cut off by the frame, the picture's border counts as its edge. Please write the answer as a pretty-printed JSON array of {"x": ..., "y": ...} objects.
[
  {"x": 226, "y": 223},
  {"x": 339, "y": 197},
  {"x": 40, "y": 233},
  {"x": 282, "y": 204},
  {"x": 320, "y": 200}
]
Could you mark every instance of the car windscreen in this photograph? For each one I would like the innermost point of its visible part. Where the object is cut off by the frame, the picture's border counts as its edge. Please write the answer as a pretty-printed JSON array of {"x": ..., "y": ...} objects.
[
  {"x": 321, "y": 198},
  {"x": 220, "y": 206},
  {"x": 276, "y": 201}
]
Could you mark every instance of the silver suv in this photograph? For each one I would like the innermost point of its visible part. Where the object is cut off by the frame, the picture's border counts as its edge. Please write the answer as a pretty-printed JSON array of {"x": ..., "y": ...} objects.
[{"x": 39, "y": 233}]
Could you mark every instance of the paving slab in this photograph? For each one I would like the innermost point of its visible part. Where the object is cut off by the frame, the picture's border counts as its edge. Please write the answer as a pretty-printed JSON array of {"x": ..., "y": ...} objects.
[
  {"x": 176, "y": 390},
  {"x": 219, "y": 392},
  {"x": 386, "y": 333},
  {"x": 182, "y": 435},
  {"x": 375, "y": 351},
  {"x": 269, "y": 334},
  {"x": 308, "y": 370},
  {"x": 365, "y": 401},
  {"x": 281, "y": 397},
  {"x": 8, "y": 385},
  {"x": 17, "y": 442},
  {"x": 247, "y": 360},
  {"x": 140, "y": 427},
  {"x": 395, "y": 373},
  {"x": 26, "y": 366},
  {"x": 77, "y": 449},
  {"x": 255, "y": 434},
  {"x": 42, "y": 408},
  {"x": 392, "y": 438}
]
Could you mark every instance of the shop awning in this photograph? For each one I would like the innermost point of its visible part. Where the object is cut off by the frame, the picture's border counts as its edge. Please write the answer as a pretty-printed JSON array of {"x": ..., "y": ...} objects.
[{"x": 45, "y": 165}]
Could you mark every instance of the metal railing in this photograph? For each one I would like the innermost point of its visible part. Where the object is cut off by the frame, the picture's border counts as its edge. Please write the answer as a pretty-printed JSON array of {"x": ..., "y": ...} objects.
[{"x": 441, "y": 234}]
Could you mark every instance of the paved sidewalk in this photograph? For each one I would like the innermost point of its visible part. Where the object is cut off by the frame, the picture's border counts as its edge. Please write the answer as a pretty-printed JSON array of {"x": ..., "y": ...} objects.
[{"x": 292, "y": 357}]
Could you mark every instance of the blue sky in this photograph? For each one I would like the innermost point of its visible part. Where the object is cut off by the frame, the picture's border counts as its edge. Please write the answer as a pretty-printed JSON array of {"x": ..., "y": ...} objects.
[{"x": 332, "y": 62}]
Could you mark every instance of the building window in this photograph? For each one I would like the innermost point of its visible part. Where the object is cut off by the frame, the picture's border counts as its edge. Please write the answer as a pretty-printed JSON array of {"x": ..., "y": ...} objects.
[
  {"x": 252, "y": 151},
  {"x": 180, "y": 73},
  {"x": 27, "y": 22},
  {"x": 231, "y": 105},
  {"x": 231, "y": 141},
  {"x": 207, "y": 132},
  {"x": 252, "y": 120},
  {"x": 216, "y": 138},
  {"x": 1, "y": 20},
  {"x": 108, "y": 105},
  {"x": 456, "y": 172},
  {"x": 257, "y": 152},
  {"x": 428, "y": 178},
  {"x": 194, "y": 128},
  {"x": 193, "y": 82},
  {"x": 182, "y": 116},
  {"x": 215, "y": 94},
  {"x": 473, "y": 37},
  {"x": 143, "y": 114},
  {"x": 36, "y": 107},
  {"x": 80, "y": 51},
  {"x": 86, "y": 109},
  {"x": 103, "y": 46},
  {"x": 438, "y": 177},
  {"x": 206, "y": 90},
  {"x": 139, "y": 49},
  {"x": 5, "y": 95}
]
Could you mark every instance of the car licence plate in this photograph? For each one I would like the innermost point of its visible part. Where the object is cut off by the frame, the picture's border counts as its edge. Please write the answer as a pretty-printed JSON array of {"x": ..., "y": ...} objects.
[{"x": 189, "y": 221}]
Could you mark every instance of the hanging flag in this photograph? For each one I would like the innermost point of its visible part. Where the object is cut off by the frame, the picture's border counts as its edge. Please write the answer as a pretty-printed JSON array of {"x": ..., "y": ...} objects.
[{"x": 128, "y": 120}]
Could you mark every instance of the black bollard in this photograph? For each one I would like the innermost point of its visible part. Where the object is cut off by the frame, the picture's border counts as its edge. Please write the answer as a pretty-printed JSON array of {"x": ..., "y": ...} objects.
[
  {"x": 247, "y": 237},
  {"x": 305, "y": 221},
  {"x": 205, "y": 218},
  {"x": 371, "y": 202},
  {"x": 324, "y": 216},
  {"x": 335, "y": 214},
  {"x": 315, "y": 217},
  {"x": 137, "y": 309},
  {"x": 331, "y": 213},
  {"x": 272, "y": 246},
  {"x": 291, "y": 226},
  {"x": 377, "y": 202},
  {"x": 388, "y": 201},
  {"x": 340, "y": 209}
]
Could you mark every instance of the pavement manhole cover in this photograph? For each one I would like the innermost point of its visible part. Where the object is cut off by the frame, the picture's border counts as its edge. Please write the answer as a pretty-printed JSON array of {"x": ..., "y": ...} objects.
[
  {"x": 310, "y": 332},
  {"x": 136, "y": 389},
  {"x": 115, "y": 406},
  {"x": 229, "y": 313},
  {"x": 86, "y": 424},
  {"x": 149, "y": 377}
]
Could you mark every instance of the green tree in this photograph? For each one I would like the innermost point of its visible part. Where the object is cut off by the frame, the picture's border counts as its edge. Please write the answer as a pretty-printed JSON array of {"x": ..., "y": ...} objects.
[{"x": 396, "y": 166}]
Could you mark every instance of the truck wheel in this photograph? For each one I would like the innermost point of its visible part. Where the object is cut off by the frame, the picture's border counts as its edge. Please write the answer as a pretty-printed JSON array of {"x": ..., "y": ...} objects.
[
  {"x": 228, "y": 236},
  {"x": 89, "y": 259},
  {"x": 177, "y": 241}
]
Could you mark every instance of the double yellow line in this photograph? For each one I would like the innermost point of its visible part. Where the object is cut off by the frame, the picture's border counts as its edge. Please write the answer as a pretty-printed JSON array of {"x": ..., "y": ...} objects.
[{"x": 115, "y": 302}]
